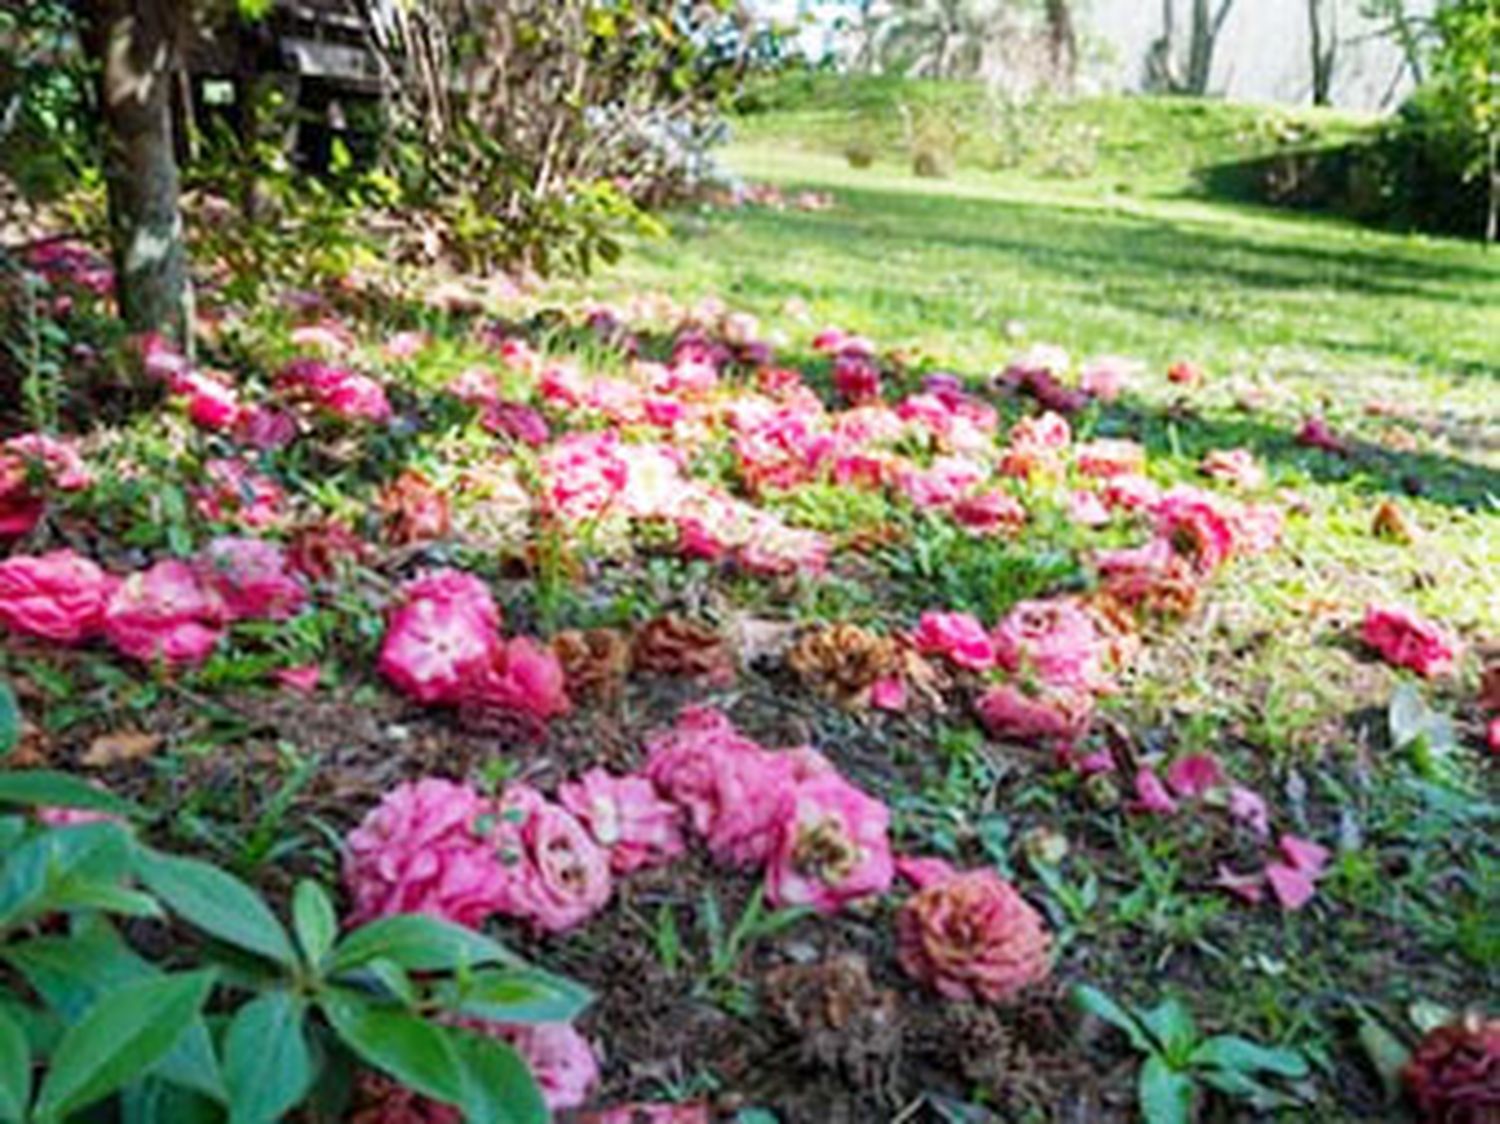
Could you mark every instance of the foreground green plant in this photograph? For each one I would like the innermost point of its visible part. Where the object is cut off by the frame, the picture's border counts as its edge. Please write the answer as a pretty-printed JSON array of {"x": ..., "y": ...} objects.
[
  {"x": 293, "y": 1014},
  {"x": 1179, "y": 1060}
]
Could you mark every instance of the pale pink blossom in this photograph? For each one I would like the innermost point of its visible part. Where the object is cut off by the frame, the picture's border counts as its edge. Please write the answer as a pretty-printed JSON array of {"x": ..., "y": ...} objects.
[
  {"x": 166, "y": 614},
  {"x": 973, "y": 937},
  {"x": 1199, "y": 525},
  {"x": 58, "y": 596},
  {"x": 1248, "y": 807},
  {"x": 1108, "y": 376},
  {"x": 958, "y": 637},
  {"x": 557, "y": 877},
  {"x": 1086, "y": 508},
  {"x": 458, "y": 588},
  {"x": 524, "y": 678},
  {"x": 303, "y": 678},
  {"x": 923, "y": 871},
  {"x": 583, "y": 474},
  {"x": 435, "y": 648},
  {"x": 832, "y": 847},
  {"x": 252, "y": 578},
  {"x": 1151, "y": 796},
  {"x": 1054, "y": 640},
  {"x": 1131, "y": 493},
  {"x": 1233, "y": 466},
  {"x": 1059, "y": 715},
  {"x": 627, "y": 817},
  {"x": 1404, "y": 638},
  {"x": 1195, "y": 775},
  {"x": 733, "y": 791},
  {"x": 561, "y": 1060},
  {"x": 1109, "y": 456},
  {"x": 424, "y": 849}
]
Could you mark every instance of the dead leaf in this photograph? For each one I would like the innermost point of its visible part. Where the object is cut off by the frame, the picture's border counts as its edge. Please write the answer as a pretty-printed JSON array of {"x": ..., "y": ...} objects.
[{"x": 121, "y": 745}]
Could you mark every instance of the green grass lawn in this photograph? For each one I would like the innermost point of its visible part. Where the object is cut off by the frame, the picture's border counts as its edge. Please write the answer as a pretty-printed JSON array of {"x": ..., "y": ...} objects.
[{"x": 1291, "y": 315}]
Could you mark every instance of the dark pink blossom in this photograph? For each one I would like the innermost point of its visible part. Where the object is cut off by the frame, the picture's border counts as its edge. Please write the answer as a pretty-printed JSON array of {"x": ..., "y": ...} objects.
[
  {"x": 832, "y": 847},
  {"x": 1404, "y": 638},
  {"x": 626, "y": 817},
  {"x": 165, "y": 614},
  {"x": 252, "y": 578},
  {"x": 957, "y": 637},
  {"x": 60, "y": 596}
]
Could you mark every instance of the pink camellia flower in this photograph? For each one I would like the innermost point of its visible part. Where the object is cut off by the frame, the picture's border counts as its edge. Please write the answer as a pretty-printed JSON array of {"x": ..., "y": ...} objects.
[
  {"x": 923, "y": 871},
  {"x": 1248, "y": 807},
  {"x": 213, "y": 405},
  {"x": 1107, "y": 376},
  {"x": 832, "y": 847},
  {"x": 1257, "y": 527},
  {"x": 627, "y": 817},
  {"x": 59, "y": 596},
  {"x": 1195, "y": 775},
  {"x": 263, "y": 427},
  {"x": 1293, "y": 880},
  {"x": 1404, "y": 638},
  {"x": 405, "y": 345},
  {"x": 561, "y": 1060},
  {"x": 1248, "y": 887},
  {"x": 435, "y": 647},
  {"x": 475, "y": 386},
  {"x": 252, "y": 578},
  {"x": 857, "y": 378},
  {"x": 1492, "y": 736},
  {"x": 1151, "y": 796},
  {"x": 233, "y": 492},
  {"x": 583, "y": 474},
  {"x": 1233, "y": 466},
  {"x": 27, "y": 461},
  {"x": 990, "y": 513},
  {"x": 424, "y": 849},
  {"x": 1131, "y": 493},
  {"x": 518, "y": 421},
  {"x": 303, "y": 678},
  {"x": 1086, "y": 508},
  {"x": 522, "y": 677},
  {"x": 341, "y": 392},
  {"x": 1110, "y": 456},
  {"x": 1316, "y": 434},
  {"x": 973, "y": 937},
  {"x": 165, "y": 613},
  {"x": 1198, "y": 525},
  {"x": 456, "y": 587},
  {"x": 957, "y": 637},
  {"x": 557, "y": 877},
  {"x": 1010, "y": 713},
  {"x": 1153, "y": 576},
  {"x": 734, "y": 792},
  {"x": 1055, "y": 640}
]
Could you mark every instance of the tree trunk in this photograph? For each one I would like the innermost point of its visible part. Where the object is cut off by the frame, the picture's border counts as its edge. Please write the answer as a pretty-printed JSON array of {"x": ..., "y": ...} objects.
[
  {"x": 1062, "y": 42},
  {"x": 1322, "y": 26},
  {"x": 1204, "y": 31},
  {"x": 134, "y": 43}
]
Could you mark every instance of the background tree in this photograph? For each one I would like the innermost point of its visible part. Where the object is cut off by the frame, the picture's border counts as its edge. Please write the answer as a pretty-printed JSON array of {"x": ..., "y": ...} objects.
[
  {"x": 136, "y": 48},
  {"x": 937, "y": 38},
  {"x": 1323, "y": 45},
  {"x": 1062, "y": 40},
  {"x": 1166, "y": 69}
]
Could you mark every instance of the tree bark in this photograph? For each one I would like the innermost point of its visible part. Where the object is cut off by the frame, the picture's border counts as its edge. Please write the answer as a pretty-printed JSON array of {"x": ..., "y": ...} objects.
[
  {"x": 1062, "y": 41},
  {"x": 1205, "y": 29},
  {"x": 1322, "y": 26},
  {"x": 134, "y": 43}
]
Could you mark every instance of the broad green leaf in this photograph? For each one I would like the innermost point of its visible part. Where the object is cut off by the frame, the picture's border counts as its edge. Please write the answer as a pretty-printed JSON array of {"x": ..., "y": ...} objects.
[
  {"x": 515, "y": 995},
  {"x": 122, "y": 1036},
  {"x": 72, "y": 973},
  {"x": 1387, "y": 1055},
  {"x": 10, "y": 720},
  {"x": 419, "y": 944},
  {"x": 314, "y": 920},
  {"x": 1171, "y": 1024},
  {"x": 1427, "y": 1016},
  {"x": 268, "y": 1066},
  {"x": 41, "y": 788},
  {"x": 1235, "y": 1084},
  {"x": 154, "y": 1100},
  {"x": 498, "y": 1088},
  {"x": 413, "y": 1051},
  {"x": 15, "y": 1071},
  {"x": 192, "y": 1064},
  {"x": 218, "y": 903},
  {"x": 1230, "y": 1051},
  {"x": 57, "y": 870},
  {"x": 1407, "y": 715},
  {"x": 1095, "y": 1002},
  {"x": 394, "y": 979},
  {"x": 1166, "y": 1095}
]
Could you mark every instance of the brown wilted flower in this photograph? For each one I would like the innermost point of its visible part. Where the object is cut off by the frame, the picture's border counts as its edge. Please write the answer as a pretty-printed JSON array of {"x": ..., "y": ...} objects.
[
  {"x": 1453, "y": 1076},
  {"x": 844, "y": 662},
  {"x": 595, "y": 662},
  {"x": 414, "y": 510},
  {"x": 673, "y": 645},
  {"x": 318, "y": 549},
  {"x": 1393, "y": 523}
]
